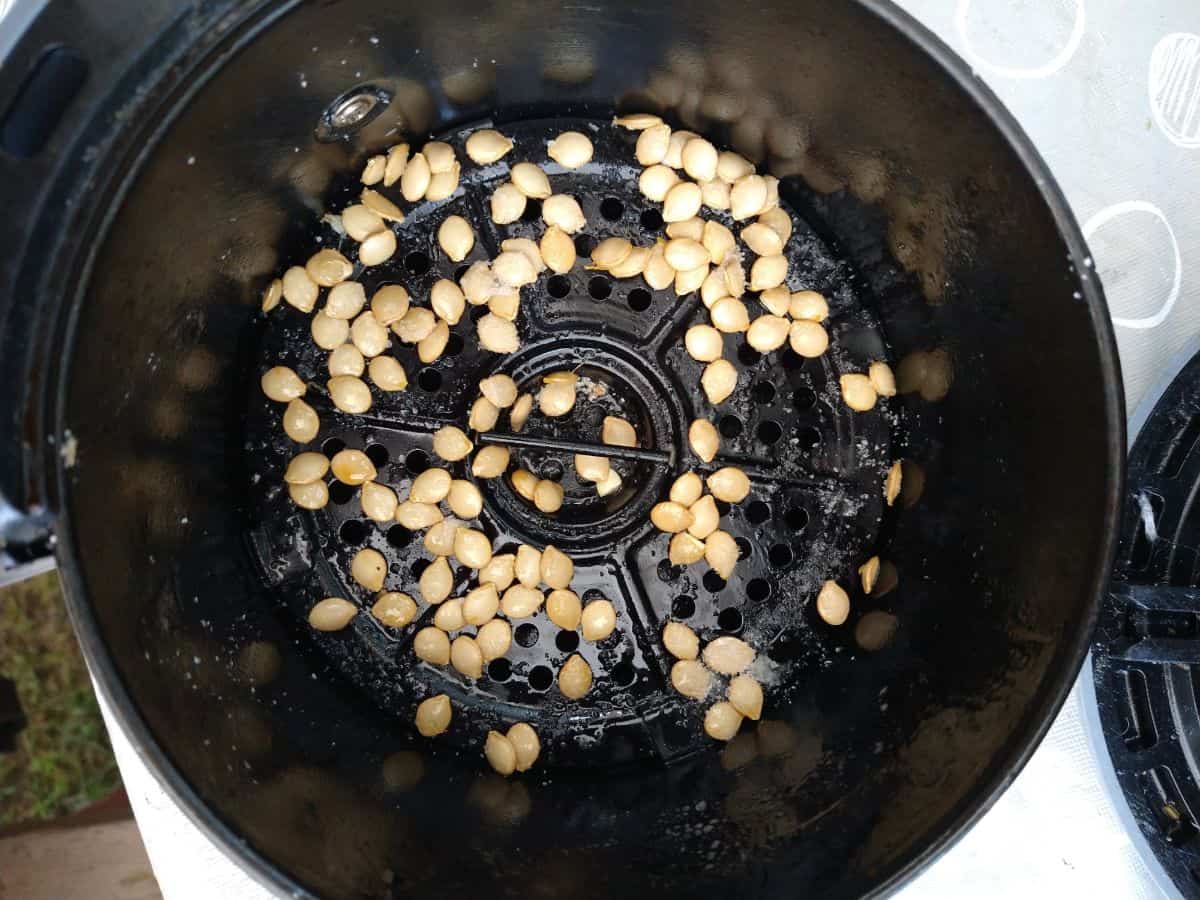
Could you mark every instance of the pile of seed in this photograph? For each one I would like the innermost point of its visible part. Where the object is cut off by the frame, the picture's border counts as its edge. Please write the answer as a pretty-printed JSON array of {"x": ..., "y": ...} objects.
[{"x": 686, "y": 174}]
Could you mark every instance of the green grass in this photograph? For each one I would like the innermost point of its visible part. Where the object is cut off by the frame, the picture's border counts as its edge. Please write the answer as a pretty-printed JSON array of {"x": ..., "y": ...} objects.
[{"x": 63, "y": 761}]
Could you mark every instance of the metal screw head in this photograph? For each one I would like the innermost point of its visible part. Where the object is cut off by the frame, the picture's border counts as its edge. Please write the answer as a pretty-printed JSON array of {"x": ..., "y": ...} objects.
[{"x": 351, "y": 110}]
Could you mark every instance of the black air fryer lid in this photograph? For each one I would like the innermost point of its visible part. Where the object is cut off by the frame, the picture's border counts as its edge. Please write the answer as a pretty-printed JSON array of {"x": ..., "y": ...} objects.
[{"x": 1146, "y": 652}]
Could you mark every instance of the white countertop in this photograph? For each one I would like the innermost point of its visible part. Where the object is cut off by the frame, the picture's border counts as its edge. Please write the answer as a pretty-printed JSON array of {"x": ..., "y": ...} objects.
[{"x": 1110, "y": 94}]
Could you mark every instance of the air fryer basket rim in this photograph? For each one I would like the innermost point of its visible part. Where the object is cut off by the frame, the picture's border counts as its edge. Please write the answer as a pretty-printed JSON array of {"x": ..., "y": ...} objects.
[{"x": 1036, "y": 720}]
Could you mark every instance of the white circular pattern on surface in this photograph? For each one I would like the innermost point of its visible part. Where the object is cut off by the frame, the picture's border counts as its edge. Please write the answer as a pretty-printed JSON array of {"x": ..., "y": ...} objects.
[
  {"x": 1060, "y": 59},
  {"x": 1174, "y": 86},
  {"x": 1123, "y": 276}
]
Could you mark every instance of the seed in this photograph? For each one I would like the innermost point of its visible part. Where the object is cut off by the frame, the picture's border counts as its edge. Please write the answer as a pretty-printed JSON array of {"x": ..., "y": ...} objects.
[
  {"x": 858, "y": 392},
  {"x": 682, "y": 202},
  {"x": 360, "y": 222},
  {"x": 332, "y": 614},
  {"x": 449, "y": 616},
  {"x": 472, "y": 548},
  {"x": 433, "y": 715},
  {"x": 772, "y": 184},
  {"x": 703, "y": 343},
  {"x": 487, "y": 146},
  {"x": 500, "y": 753},
  {"x": 680, "y": 641},
  {"x": 464, "y": 499},
  {"x": 397, "y": 158},
  {"x": 699, "y": 159},
  {"x": 466, "y": 657},
  {"x": 432, "y": 346},
  {"x": 508, "y": 204},
  {"x": 305, "y": 468},
  {"x": 345, "y": 300},
  {"x": 718, "y": 241},
  {"x": 415, "y": 180},
  {"x": 609, "y": 485},
  {"x": 481, "y": 604},
  {"x": 431, "y": 486},
  {"x": 657, "y": 271},
  {"x": 704, "y": 439},
  {"x": 372, "y": 172},
  {"x": 575, "y": 677},
  {"x": 557, "y": 250},
  {"x": 513, "y": 269},
  {"x": 690, "y": 280},
  {"x": 500, "y": 571},
  {"x": 564, "y": 609},
  {"x": 521, "y": 601},
  {"x": 530, "y": 180},
  {"x": 714, "y": 194},
  {"x": 528, "y": 566},
  {"x": 891, "y": 484},
  {"x": 499, "y": 389},
  {"x": 686, "y": 489},
  {"x": 637, "y": 121},
  {"x": 327, "y": 333},
  {"x": 721, "y": 553},
  {"x": 690, "y": 678},
  {"x": 719, "y": 380},
  {"x": 808, "y": 305},
  {"x": 689, "y": 228},
  {"x": 598, "y": 621},
  {"x": 833, "y": 603},
  {"x": 685, "y": 254},
  {"x": 633, "y": 264},
  {"x": 722, "y": 721},
  {"x": 768, "y": 272},
  {"x": 670, "y": 517},
  {"x": 728, "y": 655},
  {"x": 388, "y": 374},
  {"x": 616, "y": 432},
  {"x": 352, "y": 467},
  {"x": 431, "y": 645},
  {"x": 299, "y": 289},
  {"x": 556, "y": 568},
  {"x": 747, "y": 197},
  {"x": 439, "y": 540},
  {"x": 679, "y": 140},
  {"x": 591, "y": 468},
  {"x": 490, "y": 462},
  {"x": 730, "y": 316},
  {"x": 494, "y": 638},
  {"x": 456, "y": 238},
  {"x": 882, "y": 379},
  {"x": 520, "y": 411},
  {"x": 683, "y": 549},
  {"x": 443, "y": 184},
  {"x": 478, "y": 283},
  {"x": 525, "y": 744},
  {"x": 609, "y": 252},
  {"x": 570, "y": 150},
  {"x": 379, "y": 502},
  {"x": 556, "y": 398},
  {"x": 415, "y": 516},
  {"x": 767, "y": 333},
  {"x": 282, "y": 385},
  {"x": 732, "y": 166},
  {"x": 652, "y": 144},
  {"x": 415, "y": 325},
  {"x": 272, "y": 294},
  {"x": 389, "y": 304},
  {"x": 394, "y": 609},
  {"x": 746, "y": 696},
  {"x": 525, "y": 483},
  {"x": 778, "y": 221},
  {"x": 381, "y": 206},
  {"x": 439, "y": 155},
  {"x": 497, "y": 335},
  {"x": 762, "y": 240},
  {"x": 436, "y": 581},
  {"x": 349, "y": 394},
  {"x": 529, "y": 248},
  {"x": 810, "y": 340},
  {"x": 368, "y": 568},
  {"x": 368, "y": 335},
  {"x": 314, "y": 495},
  {"x": 655, "y": 181},
  {"x": 547, "y": 496},
  {"x": 377, "y": 248},
  {"x": 705, "y": 517},
  {"x": 506, "y": 306},
  {"x": 327, "y": 267},
  {"x": 563, "y": 211},
  {"x": 451, "y": 443}
]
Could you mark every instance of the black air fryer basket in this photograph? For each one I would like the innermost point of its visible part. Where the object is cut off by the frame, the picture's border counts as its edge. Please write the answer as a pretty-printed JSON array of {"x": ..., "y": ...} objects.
[{"x": 178, "y": 158}]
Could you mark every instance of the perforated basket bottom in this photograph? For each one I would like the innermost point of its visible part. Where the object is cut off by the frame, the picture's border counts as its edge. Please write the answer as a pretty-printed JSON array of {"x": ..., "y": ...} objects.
[{"x": 817, "y": 470}]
